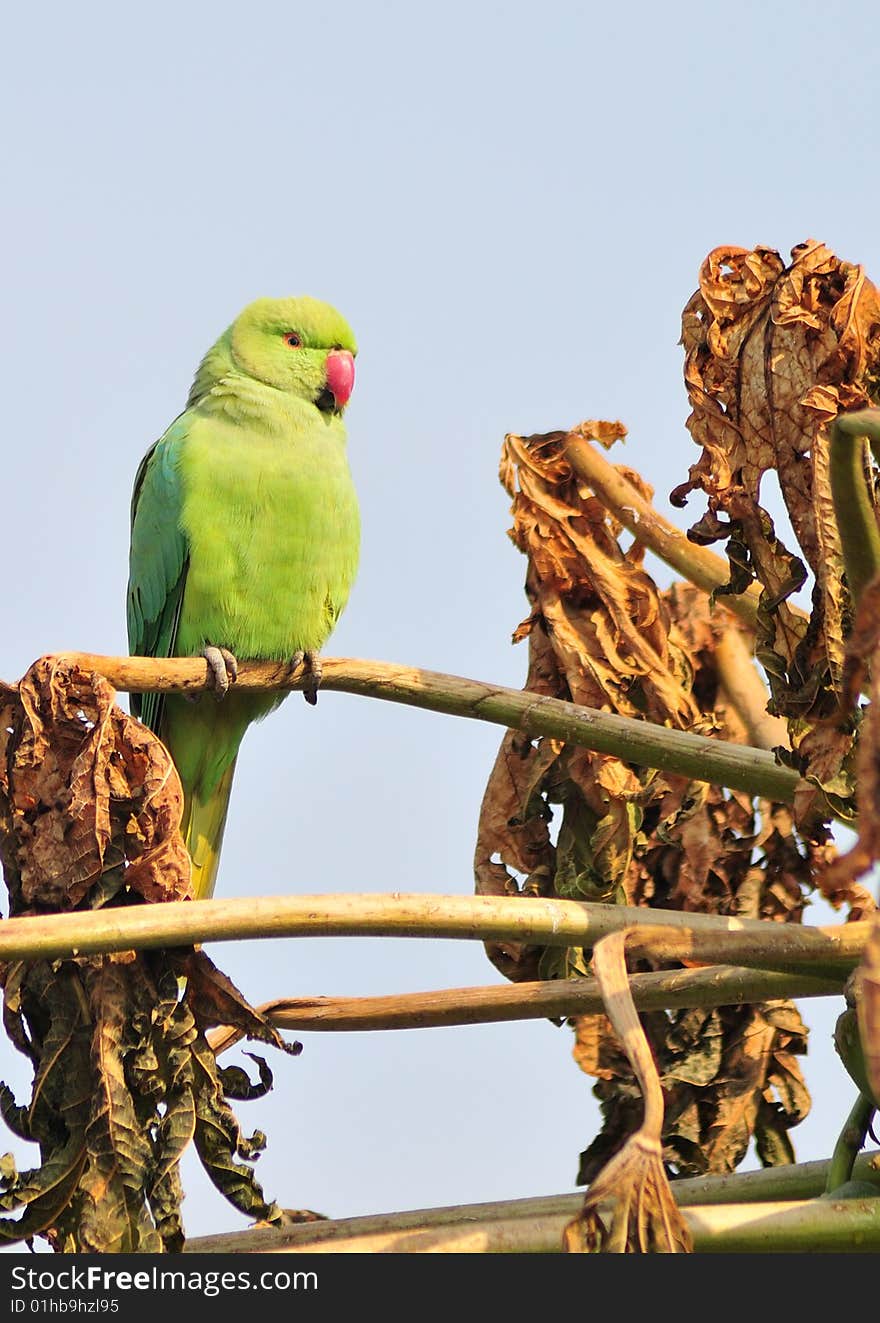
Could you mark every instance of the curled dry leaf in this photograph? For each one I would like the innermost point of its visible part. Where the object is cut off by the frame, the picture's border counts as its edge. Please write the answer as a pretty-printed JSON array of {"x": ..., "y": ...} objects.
[
  {"x": 571, "y": 823},
  {"x": 604, "y": 613},
  {"x": 215, "y": 1000},
  {"x": 124, "y": 1082},
  {"x": 90, "y": 800},
  {"x": 599, "y": 635},
  {"x": 124, "y": 1079},
  {"x": 729, "y": 1075},
  {"x": 773, "y": 353}
]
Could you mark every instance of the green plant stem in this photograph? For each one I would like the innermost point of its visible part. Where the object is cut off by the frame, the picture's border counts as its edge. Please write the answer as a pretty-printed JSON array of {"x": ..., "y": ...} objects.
[
  {"x": 641, "y": 742},
  {"x": 821, "y": 952},
  {"x": 816, "y": 1225},
  {"x": 856, "y": 520},
  {"x": 799, "y": 1180},
  {"x": 771, "y": 1184},
  {"x": 535, "y": 1226},
  {"x": 849, "y": 1143}
]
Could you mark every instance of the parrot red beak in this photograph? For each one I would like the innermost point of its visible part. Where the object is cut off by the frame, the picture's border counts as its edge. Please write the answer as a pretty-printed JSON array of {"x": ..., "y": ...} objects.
[{"x": 340, "y": 376}]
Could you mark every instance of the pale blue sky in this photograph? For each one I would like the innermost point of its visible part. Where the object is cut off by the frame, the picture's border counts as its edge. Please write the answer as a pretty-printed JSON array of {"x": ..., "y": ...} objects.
[{"x": 510, "y": 203}]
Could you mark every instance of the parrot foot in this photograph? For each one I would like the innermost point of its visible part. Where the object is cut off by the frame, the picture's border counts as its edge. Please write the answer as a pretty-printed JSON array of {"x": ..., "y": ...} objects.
[
  {"x": 222, "y": 670},
  {"x": 311, "y": 664}
]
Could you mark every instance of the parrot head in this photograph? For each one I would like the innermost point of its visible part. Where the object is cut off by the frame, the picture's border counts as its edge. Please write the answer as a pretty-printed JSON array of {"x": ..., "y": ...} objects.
[{"x": 298, "y": 345}]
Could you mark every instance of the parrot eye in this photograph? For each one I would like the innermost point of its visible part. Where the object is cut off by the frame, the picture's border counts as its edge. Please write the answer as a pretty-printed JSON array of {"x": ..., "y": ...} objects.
[{"x": 294, "y": 340}]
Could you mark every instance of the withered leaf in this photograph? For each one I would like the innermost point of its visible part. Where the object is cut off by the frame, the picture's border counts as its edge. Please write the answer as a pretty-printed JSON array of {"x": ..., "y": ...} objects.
[
  {"x": 773, "y": 353},
  {"x": 58, "y": 1112},
  {"x": 569, "y": 822},
  {"x": 237, "y": 1084},
  {"x": 85, "y": 790},
  {"x": 513, "y": 835},
  {"x": 757, "y": 1073},
  {"x": 220, "y": 1142},
  {"x": 215, "y": 1000},
  {"x": 124, "y": 1079},
  {"x": 113, "y": 1216},
  {"x": 598, "y": 634}
]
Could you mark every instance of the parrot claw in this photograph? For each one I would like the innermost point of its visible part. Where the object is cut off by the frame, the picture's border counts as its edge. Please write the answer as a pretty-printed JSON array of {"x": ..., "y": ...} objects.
[
  {"x": 311, "y": 664},
  {"x": 222, "y": 670}
]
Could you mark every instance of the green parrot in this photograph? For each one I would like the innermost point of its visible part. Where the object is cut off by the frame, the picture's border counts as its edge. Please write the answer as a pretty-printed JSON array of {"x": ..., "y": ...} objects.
[{"x": 245, "y": 535}]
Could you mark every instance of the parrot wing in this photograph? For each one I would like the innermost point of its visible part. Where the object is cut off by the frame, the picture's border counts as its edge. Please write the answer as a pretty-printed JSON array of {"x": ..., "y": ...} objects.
[{"x": 158, "y": 561}]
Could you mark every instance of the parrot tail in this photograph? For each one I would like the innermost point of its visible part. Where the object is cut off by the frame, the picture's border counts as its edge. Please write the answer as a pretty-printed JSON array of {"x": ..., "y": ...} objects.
[{"x": 202, "y": 827}]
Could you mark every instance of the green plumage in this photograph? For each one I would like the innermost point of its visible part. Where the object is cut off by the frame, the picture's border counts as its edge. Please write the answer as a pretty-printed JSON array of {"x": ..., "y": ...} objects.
[{"x": 244, "y": 535}]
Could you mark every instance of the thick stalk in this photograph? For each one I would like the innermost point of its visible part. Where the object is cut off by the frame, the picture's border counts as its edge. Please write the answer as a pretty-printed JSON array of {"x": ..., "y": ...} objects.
[
  {"x": 535, "y": 1226},
  {"x": 609, "y": 962},
  {"x": 740, "y": 767},
  {"x": 856, "y": 520},
  {"x": 849, "y": 1143},
  {"x": 821, "y": 952},
  {"x": 696, "y": 563},
  {"x": 672, "y": 989},
  {"x": 798, "y": 1182}
]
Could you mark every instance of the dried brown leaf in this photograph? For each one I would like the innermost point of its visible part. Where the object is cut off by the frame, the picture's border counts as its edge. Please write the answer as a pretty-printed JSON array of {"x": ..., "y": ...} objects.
[
  {"x": 757, "y": 1070},
  {"x": 605, "y": 616},
  {"x": 84, "y": 790},
  {"x": 570, "y": 822},
  {"x": 773, "y": 353},
  {"x": 215, "y": 1000},
  {"x": 124, "y": 1078},
  {"x": 598, "y": 633},
  {"x": 513, "y": 835},
  {"x": 596, "y": 1050}
]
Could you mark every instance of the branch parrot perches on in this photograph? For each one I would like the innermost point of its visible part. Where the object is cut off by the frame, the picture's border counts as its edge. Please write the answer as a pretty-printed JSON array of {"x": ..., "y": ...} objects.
[{"x": 244, "y": 538}]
